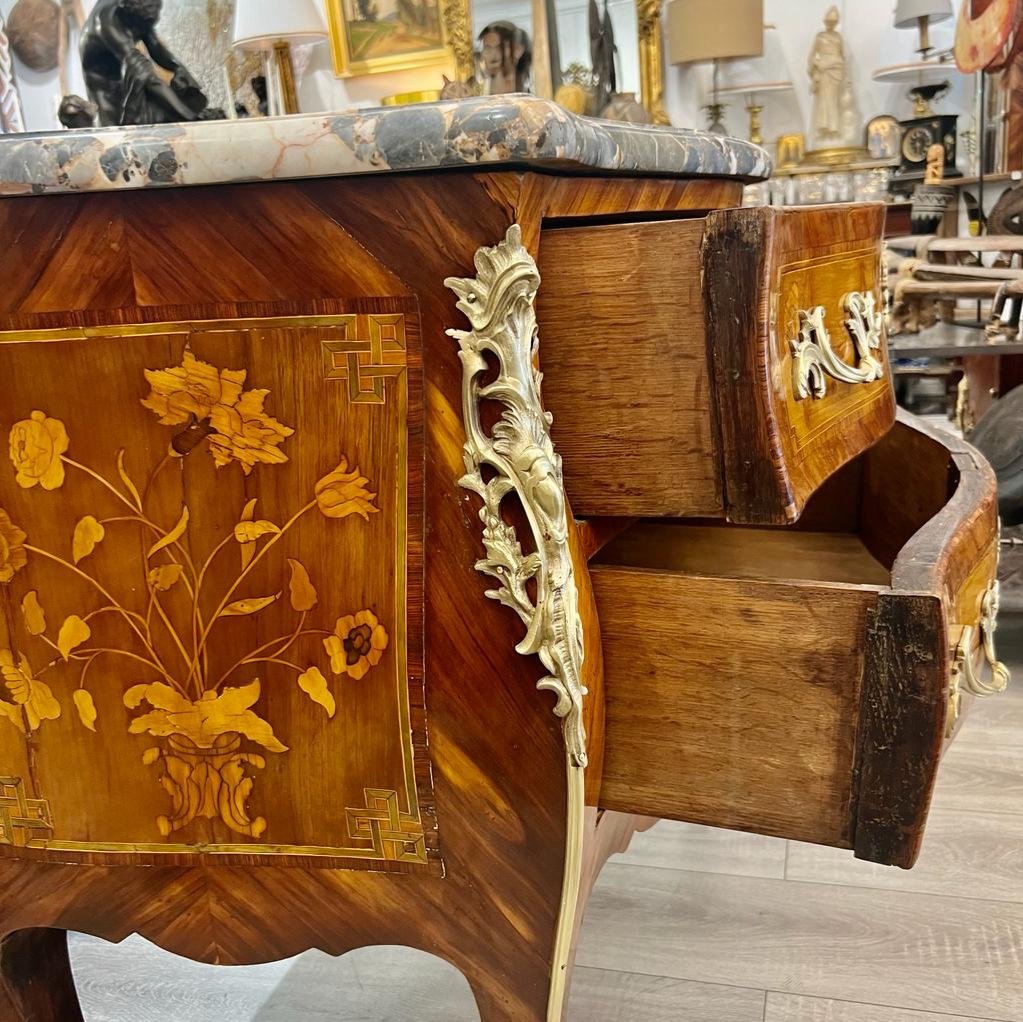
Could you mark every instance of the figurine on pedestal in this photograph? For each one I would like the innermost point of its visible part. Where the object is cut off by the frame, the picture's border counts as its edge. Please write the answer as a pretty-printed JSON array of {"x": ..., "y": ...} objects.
[
  {"x": 835, "y": 129},
  {"x": 122, "y": 78}
]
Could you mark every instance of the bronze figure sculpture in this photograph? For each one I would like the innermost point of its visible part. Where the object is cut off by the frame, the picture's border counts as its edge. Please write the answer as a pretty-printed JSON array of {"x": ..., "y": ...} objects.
[{"x": 123, "y": 79}]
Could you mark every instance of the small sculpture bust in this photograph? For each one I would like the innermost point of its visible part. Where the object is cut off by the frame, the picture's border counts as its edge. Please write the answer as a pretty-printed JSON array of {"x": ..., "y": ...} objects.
[
  {"x": 121, "y": 75},
  {"x": 834, "y": 109},
  {"x": 506, "y": 58}
]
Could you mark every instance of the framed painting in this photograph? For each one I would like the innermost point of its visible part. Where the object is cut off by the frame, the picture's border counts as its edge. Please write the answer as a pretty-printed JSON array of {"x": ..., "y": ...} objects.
[{"x": 368, "y": 36}]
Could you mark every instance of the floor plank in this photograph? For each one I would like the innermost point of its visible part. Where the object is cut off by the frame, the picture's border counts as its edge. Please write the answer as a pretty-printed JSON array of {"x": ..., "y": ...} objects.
[
  {"x": 981, "y": 778},
  {"x": 671, "y": 845},
  {"x": 951, "y": 955},
  {"x": 786, "y": 1008},
  {"x": 380, "y": 984},
  {"x": 998, "y": 720},
  {"x": 605, "y": 996},
  {"x": 971, "y": 855},
  {"x": 138, "y": 982}
]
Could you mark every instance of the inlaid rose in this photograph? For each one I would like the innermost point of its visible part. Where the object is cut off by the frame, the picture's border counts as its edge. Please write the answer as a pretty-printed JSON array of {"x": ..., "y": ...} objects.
[{"x": 36, "y": 446}]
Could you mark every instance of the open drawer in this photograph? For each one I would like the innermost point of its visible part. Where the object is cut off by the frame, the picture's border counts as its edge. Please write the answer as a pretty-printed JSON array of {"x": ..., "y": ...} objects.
[
  {"x": 796, "y": 681},
  {"x": 721, "y": 366}
]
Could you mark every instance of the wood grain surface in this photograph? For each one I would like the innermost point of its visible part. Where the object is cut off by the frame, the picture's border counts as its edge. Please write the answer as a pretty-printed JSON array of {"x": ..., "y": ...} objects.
[
  {"x": 285, "y": 250},
  {"x": 939, "y": 576},
  {"x": 625, "y": 368},
  {"x": 762, "y": 268},
  {"x": 246, "y": 251},
  {"x": 757, "y": 734},
  {"x": 826, "y": 721}
]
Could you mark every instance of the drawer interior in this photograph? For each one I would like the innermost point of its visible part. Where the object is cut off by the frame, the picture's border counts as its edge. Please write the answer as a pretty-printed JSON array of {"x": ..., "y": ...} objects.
[
  {"x": 792, "y": 680},
  {"x": 732, "y": 551}
]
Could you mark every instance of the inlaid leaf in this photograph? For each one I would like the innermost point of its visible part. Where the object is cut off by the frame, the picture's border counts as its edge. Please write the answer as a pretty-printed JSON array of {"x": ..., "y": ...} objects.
[
  {"x": 303, "y": 593},
  {"x": 249, "y": 532},
  {"x": 166, "y": 576},
  {"x": 86, "y": 708},
  {"x": 126, "y": 479},
  {"x": 314, "y": 684},
  {"x": 35, "y": 616},
  {"x": 173, "y": 536},
  {"x": 248, "y": 550},
  {"x": 88, "y": 532},
  {"x": 73, "y": 632},
  {"x": 250, "y": 606}
]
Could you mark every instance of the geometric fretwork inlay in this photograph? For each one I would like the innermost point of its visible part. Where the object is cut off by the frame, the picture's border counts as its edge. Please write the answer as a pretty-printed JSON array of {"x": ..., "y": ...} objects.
[
  {"x": 396, "y": 836},
  {"x": 21, "y": 818},
  {"x": 372, "y": 350}
]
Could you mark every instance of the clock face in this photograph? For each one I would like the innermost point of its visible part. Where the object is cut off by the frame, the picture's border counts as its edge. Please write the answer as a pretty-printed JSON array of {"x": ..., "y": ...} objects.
[{"x": 915, "y": 143}]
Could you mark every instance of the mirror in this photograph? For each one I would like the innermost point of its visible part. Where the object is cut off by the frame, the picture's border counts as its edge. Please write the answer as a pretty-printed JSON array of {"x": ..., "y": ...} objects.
[{"x": 565, "y": 40}]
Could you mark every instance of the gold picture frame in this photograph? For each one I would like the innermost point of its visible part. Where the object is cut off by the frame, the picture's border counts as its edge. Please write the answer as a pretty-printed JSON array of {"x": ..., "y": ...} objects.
[{"x": 385, "y": 43}]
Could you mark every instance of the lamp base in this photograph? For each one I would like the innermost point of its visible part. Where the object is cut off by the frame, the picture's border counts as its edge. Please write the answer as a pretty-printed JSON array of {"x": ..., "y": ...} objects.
[
  {"x": 754, "y": 112},
  {"x": 284, "y": 78},
  {"x": 715, "y": 118}
]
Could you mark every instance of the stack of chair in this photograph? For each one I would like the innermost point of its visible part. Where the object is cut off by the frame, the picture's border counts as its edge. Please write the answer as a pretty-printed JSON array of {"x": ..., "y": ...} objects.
[{"x": 926, "y": 269}]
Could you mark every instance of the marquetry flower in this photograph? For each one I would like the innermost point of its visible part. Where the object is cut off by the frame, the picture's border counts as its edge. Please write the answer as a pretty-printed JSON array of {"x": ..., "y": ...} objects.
[
  {"x": 192, "y": 388},
  {"x": 246, "y": 434},
  {"x": 238, "y": 428},
  {"x": 343, "y": 493},
  {"x": 12, "y": 548},
  {"x": 204, "y": 720},
  {"x": 36, "y": 446},
  {"x": 27, "y": 691},
  {"x": 358, "y": 643}
]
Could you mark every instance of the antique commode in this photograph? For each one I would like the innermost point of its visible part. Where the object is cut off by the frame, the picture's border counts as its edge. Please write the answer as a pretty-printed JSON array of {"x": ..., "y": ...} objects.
[{"x": 274, "y": 440}]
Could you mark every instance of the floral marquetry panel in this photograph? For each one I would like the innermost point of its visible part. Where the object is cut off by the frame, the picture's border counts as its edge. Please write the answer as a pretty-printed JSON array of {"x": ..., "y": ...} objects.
[{"x": 211, "y": 588}]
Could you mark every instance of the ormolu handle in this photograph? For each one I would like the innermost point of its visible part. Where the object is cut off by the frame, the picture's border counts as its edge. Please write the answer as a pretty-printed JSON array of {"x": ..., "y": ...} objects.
[{"x": 965, "y": 677}]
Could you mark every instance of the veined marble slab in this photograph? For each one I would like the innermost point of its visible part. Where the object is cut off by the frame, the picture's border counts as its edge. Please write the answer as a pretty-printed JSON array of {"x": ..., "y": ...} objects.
[{"x": 479, "y": 132}]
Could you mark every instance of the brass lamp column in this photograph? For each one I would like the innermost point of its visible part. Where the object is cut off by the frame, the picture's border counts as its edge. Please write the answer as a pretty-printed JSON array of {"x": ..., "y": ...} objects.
[
  {"x": 714, "y": 30},
  {"x": 751, "y": 77},
  {"x": 271, "y": 26}
]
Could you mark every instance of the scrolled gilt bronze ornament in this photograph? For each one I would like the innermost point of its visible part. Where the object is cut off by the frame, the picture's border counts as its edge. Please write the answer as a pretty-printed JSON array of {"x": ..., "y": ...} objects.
[
  {"x": 498, "y": 302},
  {"x": 814, "y": 358}
]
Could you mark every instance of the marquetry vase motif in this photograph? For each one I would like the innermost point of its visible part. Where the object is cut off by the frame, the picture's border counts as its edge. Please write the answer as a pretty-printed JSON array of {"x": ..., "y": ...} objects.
[{"x": 210, "y": 736}]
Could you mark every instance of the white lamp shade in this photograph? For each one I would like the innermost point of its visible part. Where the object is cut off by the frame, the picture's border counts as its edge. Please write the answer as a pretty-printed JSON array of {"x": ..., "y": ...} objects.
[
  {"x": 908, "y": 11},
  {"x": 758, "y": 74},
  {"x": 258, "y": 24}
]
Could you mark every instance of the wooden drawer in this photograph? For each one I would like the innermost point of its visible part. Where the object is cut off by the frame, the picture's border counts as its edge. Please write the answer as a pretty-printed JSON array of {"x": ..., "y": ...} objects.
[
  {"x": 709, "y": 367},
  {"x": 795, "y": 681}
]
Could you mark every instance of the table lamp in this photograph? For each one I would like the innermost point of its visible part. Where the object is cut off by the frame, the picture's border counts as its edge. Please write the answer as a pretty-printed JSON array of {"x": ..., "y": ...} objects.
[
  {"x": 715, "y": 30},
  {"x": 919, "y": 14},
  {"x": 270, "y": 25},
  {"x": 755, "y": 75}
]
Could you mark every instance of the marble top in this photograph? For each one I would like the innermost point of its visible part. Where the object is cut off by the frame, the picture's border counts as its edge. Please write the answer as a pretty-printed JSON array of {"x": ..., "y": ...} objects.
[{"x": 484, "y": 131}]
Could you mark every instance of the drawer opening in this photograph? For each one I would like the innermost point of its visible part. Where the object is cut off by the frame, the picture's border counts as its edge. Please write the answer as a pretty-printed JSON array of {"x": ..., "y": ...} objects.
[
  {"x": 732, "y": 551},
  {"x": 794, "y": 680}
]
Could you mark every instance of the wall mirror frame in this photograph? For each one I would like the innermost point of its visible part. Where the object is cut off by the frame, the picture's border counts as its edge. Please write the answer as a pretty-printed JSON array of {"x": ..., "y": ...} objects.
[{"x": 457, "y": 15}]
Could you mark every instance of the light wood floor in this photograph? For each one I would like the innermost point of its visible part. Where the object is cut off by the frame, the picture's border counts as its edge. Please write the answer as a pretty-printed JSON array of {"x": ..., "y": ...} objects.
[{"x": 700, "y": 925}]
